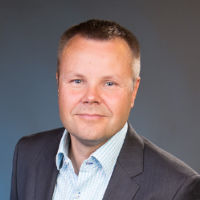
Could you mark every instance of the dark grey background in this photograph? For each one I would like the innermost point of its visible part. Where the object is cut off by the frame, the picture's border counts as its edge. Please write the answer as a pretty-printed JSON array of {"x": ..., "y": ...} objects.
[{"x": 167, "y": 107}]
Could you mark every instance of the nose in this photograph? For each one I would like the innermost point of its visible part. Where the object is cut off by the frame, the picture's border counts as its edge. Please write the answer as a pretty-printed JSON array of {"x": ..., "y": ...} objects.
[{"x": 91, "y": 95}]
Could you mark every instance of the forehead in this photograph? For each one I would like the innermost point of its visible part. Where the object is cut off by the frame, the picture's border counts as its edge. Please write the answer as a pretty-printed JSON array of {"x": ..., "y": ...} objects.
[
  {"x": 113, "y": 46},
  {"x": 97, "y": 58}
]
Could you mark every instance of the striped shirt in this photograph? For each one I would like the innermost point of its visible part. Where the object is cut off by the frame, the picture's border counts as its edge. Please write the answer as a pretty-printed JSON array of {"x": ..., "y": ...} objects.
[{"x": 94, "y": 173}]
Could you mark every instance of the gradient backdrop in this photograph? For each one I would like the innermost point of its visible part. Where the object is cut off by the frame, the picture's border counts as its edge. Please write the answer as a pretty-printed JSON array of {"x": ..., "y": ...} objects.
[{"x": 167, "y": 107}]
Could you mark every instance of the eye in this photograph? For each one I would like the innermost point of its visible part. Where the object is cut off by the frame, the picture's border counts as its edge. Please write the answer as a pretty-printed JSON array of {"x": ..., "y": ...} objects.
[
  {"x": 77, "y": 81},
  {"x": 109, "y": 83}
]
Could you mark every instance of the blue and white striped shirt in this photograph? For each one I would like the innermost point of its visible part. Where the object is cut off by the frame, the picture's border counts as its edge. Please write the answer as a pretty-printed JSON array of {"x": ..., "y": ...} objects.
[{"x": 94, "y": 173}]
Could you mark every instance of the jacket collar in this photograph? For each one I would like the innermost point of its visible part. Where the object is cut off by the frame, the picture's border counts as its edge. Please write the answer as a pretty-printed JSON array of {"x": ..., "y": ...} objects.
[
  {"x": 46, "y": 167},
  {"x": 131, "y": 155},
  {"x": 129, "y": 164}
]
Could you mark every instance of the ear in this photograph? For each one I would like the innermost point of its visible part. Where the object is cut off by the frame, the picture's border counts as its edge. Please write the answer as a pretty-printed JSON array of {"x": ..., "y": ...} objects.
[
  {"x": 134, "y": 93},
  {"x": 57, "y": 79}
]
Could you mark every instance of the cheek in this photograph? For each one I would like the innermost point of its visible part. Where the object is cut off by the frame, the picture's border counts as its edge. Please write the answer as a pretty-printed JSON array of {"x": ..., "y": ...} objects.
[
  {"x": 67, "y": 99},
  {"x": 119, "y": 103}
]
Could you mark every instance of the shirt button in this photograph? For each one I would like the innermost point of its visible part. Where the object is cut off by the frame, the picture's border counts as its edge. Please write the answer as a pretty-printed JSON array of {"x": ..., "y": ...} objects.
[
  {"x": 66, "y": 163},
  {"x": 89, "y": 163},
  {"x": 78, "y": 195}
]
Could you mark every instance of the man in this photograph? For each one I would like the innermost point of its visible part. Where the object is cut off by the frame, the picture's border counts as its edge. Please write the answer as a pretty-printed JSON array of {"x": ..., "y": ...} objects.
[{"x": 98, "y": 155}]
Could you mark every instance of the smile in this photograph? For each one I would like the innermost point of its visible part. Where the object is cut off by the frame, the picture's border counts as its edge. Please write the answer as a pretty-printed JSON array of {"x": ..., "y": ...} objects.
[{"x": 90, "y": 116}]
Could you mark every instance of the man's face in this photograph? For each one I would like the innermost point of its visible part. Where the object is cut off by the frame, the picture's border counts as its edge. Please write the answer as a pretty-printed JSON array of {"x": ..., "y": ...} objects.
[{"x": 95, "y": 89}]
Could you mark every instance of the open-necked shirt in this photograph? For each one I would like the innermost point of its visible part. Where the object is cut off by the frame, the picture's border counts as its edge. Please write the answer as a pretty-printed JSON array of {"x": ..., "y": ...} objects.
[{"x": 94, "y": 173}]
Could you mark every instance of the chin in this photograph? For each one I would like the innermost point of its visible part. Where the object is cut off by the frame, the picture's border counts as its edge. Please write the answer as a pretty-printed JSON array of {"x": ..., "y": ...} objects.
[{"x": 89, "y": 136}]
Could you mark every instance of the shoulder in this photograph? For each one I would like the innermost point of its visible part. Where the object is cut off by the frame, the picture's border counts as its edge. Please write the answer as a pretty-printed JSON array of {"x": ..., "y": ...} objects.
[
  {"x": 158, "y": 173},
  {"x": 32, "y": 145},
  {"x": 167, "y": 173},
  {"x": 41, "y": 137},
  {"x": 154, "y": 158},
  {"x": 164, "y": 162}
]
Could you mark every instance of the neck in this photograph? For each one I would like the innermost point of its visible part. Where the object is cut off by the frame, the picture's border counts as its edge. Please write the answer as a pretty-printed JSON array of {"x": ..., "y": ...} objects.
[{"x": 78, "y": 152}]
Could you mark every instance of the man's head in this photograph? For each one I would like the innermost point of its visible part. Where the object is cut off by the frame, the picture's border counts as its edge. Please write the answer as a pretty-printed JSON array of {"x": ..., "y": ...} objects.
[
  {"x": 101, "y": 30},
  {"x": 95, "y": 90}
]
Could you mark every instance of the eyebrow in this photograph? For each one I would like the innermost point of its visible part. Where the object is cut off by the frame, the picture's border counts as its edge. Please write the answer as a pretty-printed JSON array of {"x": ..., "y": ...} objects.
[
  {"x": 111, "y": 77},
  {"x": 78, "y": 75}
]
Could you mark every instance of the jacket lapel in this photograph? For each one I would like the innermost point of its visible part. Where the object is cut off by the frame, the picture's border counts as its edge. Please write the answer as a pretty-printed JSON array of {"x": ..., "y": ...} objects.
[
  {"x": 46, "y": 170},
  {"x": 128, "y": 165},
  {"x": 120, "y": 186}
]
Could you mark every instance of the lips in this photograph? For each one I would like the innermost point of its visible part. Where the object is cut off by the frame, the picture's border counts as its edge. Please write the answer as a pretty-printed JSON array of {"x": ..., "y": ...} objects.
[{"x": 90, "y": 116}]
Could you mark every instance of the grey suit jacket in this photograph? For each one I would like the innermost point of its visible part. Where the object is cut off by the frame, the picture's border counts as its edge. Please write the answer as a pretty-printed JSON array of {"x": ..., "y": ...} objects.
[{"x": 142, "y": 172}]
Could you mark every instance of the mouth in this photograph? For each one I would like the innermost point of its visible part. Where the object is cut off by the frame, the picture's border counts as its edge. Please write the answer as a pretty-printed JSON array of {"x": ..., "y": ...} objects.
[{"x": 90, "y": 116}]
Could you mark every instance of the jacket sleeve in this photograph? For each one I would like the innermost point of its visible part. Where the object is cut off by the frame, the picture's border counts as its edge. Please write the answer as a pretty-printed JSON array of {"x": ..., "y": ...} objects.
[
  {"x": 190, "y": 190},
  {"x": 13, "y": 194}
]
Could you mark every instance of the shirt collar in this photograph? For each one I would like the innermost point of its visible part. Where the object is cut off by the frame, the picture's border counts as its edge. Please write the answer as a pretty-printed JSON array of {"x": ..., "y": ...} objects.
[
  {"x": 63, "y": 149},
  {"x": 106, "y": 155}
]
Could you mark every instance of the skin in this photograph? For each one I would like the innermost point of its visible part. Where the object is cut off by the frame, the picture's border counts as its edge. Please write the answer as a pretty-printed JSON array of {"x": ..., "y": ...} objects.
[{"x": 95, "y": 93}]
